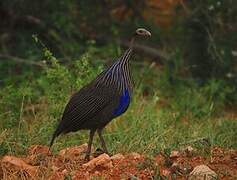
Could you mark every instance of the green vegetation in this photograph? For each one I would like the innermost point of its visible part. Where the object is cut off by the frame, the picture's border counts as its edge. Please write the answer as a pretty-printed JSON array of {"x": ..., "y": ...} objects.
[
  {"x": 163, "y": 119},
  {"x": 178, "y": 100}
]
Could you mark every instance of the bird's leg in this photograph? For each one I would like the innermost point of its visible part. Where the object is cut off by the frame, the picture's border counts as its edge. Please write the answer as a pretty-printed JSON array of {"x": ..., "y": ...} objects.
[
  {"x": 88, "y": 152},
  {"x": 102, "y": 141}
]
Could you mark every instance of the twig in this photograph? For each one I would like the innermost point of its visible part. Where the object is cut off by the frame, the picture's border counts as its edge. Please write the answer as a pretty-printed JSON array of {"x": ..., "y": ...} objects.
[
  {"x": 202, "y": 140},
  {"x": 21, "y": 113},
  {"x": 20, "y": 60},
  {"x": 140, "y": 48}
]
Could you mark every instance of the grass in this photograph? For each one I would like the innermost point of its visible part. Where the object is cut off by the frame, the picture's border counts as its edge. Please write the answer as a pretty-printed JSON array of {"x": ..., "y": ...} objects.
[{"x": 167, "y": 117}]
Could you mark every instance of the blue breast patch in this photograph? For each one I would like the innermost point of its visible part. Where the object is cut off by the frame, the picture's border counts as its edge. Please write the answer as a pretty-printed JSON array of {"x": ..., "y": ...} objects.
[{"x": 123, "y": 104}]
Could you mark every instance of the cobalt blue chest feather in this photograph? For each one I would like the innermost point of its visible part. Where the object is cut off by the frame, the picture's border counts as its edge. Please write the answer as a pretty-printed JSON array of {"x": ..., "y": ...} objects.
[{"x": 123, "y": 103}]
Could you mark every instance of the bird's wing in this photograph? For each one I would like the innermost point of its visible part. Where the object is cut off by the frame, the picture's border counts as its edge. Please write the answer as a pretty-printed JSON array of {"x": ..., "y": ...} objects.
[{"x": 83, "y": 105}]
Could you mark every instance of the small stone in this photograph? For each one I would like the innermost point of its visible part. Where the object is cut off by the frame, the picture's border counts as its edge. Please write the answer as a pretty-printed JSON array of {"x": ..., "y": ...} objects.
[
  {"x": 14, "y": 164},
  {"x": 103, "y": 161},
  {"x": 174, "y": 154},
  {"x": 55, "y": 168},
  {"x": 175, "y": 164},
  {"x": 185, "y": 169},
  {"x": 117, "y": 157},
  {"x": 65, "y": 171},
  {"x": 202, "y": 172}
]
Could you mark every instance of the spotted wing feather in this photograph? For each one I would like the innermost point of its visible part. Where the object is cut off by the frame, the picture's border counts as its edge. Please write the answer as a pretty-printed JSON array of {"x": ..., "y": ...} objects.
[{"x": 82, "y": 107}]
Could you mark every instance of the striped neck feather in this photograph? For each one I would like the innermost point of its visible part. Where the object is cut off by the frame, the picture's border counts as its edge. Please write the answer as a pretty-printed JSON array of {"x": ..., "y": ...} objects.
[
  {"x": 118, "y": 74},
  {"x": 126, "y": 56}
]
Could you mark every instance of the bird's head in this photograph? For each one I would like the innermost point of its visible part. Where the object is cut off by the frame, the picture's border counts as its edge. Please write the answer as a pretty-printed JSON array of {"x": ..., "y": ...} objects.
[
  {"x": 139, "y": 32},
  {"x": 142, "y": 32}
]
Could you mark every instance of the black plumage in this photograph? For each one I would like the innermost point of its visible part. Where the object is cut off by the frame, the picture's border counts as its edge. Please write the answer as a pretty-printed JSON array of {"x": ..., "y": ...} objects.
[{"x": 105, "y": 98}]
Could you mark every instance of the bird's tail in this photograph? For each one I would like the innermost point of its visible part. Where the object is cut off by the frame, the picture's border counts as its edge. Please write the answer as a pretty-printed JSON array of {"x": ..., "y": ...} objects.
[
  {"x": 55, "y": 134},
  {"x": 52, "y": 140}
]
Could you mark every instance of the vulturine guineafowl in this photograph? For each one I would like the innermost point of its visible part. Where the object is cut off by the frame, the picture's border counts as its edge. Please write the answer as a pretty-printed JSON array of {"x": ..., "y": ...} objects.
[{"x": 105, "y": 98}]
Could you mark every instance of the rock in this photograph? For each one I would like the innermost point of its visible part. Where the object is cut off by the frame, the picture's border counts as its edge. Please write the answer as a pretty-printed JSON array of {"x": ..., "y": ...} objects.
[
  {"x": 163, "y": 160},
  {"x": 182, "y": 168},
  {"x": 174, "y": 154},
  {"x": 117, "y": 157},
  {"x": 159, "y": 159},
  {"x": 74, "y": 151},
  {"x": 14, "y": 164},
  {"x": 55, "y": 168},
  {"x": 102, "y": 161},
  {"x": 165, "y": 172},
  {"x": 202, "y": 172},
  {"x": 175, "y": 167},
  {"x": 65, "y": 171},
  {"x": 37, "y": 155},
  {"x": 38, "y": 149},
  {"x": 36, "y": 160},
  {"x": 185, "y": 169}
]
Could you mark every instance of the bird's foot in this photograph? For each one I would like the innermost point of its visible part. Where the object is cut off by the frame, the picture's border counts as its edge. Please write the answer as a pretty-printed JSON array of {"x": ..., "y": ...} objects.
[
  {"x": 87, "y": 157},
  {"x": 107, "y": 152},
  {"x": 99, "y": 151}
]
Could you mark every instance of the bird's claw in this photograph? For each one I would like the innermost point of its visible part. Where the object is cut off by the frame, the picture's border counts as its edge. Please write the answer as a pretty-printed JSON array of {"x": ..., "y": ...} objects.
[{"x": 99, "y": 151}]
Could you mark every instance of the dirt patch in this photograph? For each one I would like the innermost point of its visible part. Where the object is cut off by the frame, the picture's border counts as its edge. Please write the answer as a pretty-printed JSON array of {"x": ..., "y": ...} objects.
[{"x": 70, "y": 164}]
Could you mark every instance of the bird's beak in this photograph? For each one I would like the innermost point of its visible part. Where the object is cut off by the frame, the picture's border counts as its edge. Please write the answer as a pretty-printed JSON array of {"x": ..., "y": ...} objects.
[{"x": 148, "y": 33}]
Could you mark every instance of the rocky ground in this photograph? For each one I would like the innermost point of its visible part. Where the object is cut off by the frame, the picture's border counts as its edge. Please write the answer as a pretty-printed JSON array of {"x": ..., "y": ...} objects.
[{"x": 69, "y": 163}]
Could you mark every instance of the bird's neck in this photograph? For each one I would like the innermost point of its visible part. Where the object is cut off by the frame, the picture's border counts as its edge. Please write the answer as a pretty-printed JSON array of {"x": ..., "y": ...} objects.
[
  {"x": 126, "y": 56},
  {"x": 131, "y": 44}
]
